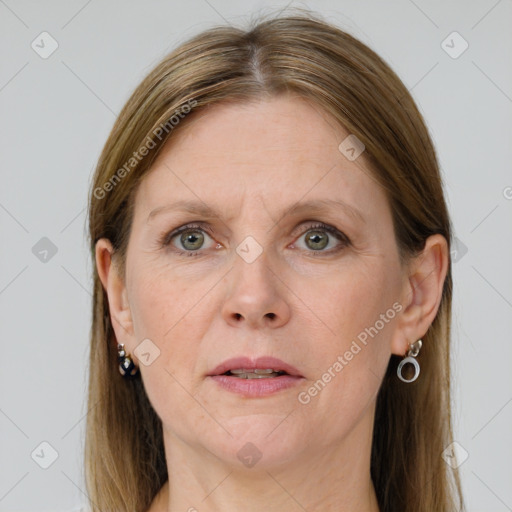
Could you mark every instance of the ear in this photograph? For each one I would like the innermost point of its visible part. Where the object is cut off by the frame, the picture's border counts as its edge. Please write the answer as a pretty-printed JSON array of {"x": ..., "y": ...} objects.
[
  {"x": 421, "y": 293},
  {"x": 120, "y": 314}
]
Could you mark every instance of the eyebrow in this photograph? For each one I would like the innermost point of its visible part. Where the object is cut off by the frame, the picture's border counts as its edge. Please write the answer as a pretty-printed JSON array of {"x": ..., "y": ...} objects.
[{"x": 314, "y": 207}]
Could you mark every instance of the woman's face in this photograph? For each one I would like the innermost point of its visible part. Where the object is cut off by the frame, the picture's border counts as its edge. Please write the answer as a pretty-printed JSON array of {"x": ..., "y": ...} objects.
[{"x": 258, "y": 275}]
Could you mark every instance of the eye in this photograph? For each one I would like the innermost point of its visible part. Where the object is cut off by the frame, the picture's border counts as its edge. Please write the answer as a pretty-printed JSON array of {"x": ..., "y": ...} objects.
[
  {"x": 187, "y": 240},
  {"x": 319, "y": 236}
]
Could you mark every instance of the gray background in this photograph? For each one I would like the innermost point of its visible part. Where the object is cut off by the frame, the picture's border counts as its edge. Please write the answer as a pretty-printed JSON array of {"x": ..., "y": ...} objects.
[{"x": 55, "y": 116}]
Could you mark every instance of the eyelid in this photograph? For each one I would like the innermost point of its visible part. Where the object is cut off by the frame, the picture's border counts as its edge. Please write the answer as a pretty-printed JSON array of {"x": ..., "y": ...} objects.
[
  {"x": 167, "y": 237},
  {"x": 342, "y": 238},
  {"x": 300, "y": 230},
  {"x": 312, "y": 224}
]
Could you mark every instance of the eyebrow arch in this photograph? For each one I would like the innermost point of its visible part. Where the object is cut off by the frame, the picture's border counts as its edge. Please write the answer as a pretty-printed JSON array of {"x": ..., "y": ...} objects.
[{"x": 316, "y": 206}]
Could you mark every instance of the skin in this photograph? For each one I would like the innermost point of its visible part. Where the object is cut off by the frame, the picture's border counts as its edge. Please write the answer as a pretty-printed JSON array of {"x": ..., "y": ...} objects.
[{"x": 250, "y": 162}]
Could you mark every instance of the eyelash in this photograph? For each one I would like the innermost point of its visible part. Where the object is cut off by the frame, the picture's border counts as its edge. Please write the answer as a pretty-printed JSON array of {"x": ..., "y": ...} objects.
[{"x": 165, "y": 240}]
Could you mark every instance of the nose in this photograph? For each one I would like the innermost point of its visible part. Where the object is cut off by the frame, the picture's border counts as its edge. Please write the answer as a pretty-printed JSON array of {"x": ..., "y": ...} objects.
[{"x": 256, "y": 297}]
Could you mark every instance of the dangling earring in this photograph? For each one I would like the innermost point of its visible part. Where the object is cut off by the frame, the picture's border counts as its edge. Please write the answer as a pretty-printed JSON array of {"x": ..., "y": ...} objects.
[
  {"x": 414, "y": 350},
  {"x": 127, "y": 367}
]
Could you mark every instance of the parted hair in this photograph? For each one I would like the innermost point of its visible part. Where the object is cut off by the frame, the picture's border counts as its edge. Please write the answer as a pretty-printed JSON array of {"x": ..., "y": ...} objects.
[{"x": 297, "y": 53}]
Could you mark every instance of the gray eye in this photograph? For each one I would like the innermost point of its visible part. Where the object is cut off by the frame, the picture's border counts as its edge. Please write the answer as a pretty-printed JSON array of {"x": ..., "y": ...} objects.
[
  {"x": 192, "y": 239},
  {"x": 316, "y": 240}
]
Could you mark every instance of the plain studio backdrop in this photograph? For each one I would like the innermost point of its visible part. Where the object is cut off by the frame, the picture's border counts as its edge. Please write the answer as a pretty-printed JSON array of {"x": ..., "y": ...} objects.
[{"x": 67, "y": 68}]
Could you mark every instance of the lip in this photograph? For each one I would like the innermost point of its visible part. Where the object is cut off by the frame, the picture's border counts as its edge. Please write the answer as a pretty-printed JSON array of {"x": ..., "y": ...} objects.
[
  {"x": 252, "y": 364},
  {"x": 254, "y": 388}
]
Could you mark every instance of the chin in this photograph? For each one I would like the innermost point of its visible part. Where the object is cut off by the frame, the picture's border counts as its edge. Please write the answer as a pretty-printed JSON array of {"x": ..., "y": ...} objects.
[{"x": 259, "y": 441}]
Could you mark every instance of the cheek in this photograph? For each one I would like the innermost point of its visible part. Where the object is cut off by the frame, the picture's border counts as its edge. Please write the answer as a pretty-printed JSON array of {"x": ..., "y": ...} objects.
[
  {"x": 354, "y": 310},
  {"x": 160, "y": 300},
  {"x": 172, "y": 311},
  {"x": 163, "y": 311},
  {"x": 348, "y": 301}
]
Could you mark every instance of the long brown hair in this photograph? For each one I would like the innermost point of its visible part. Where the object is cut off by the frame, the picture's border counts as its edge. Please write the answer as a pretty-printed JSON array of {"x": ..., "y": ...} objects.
[{"x": 299, "y": 53}]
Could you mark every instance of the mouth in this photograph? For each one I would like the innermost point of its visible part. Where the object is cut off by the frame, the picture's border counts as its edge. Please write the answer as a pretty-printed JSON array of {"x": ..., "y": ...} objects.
[
  {"x": 255, "y": 378},
  {"x": 257, "y": 373},
  {"x": 264, "y": 367}
]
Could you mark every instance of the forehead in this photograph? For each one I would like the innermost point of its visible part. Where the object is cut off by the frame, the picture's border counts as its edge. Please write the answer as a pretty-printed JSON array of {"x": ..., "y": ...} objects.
[{"x": 275, "y": 151}]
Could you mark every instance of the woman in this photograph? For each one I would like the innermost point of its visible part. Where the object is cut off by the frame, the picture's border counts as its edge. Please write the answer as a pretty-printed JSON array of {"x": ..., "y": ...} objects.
[{"x": 272, "y": 289}]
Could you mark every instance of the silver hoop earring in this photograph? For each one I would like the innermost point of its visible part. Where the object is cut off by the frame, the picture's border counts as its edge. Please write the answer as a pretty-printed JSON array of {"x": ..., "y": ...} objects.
[
  {"x": 127, "y": 367},
  {"x": 414, "y": 350}
]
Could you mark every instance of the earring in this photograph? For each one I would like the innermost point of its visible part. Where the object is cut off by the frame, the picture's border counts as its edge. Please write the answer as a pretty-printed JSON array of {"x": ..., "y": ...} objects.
[
  {"x": 127, "y": 367},
  {"x": 414, "y": 350}
]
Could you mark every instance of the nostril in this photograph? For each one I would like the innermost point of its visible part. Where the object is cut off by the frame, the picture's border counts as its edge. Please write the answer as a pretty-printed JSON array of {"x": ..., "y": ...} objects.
[{"x": 271, "y": 315}]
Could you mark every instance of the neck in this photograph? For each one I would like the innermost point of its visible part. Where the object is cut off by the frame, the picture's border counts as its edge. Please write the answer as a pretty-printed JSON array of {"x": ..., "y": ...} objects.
[{"x": 327, "y": 478}]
